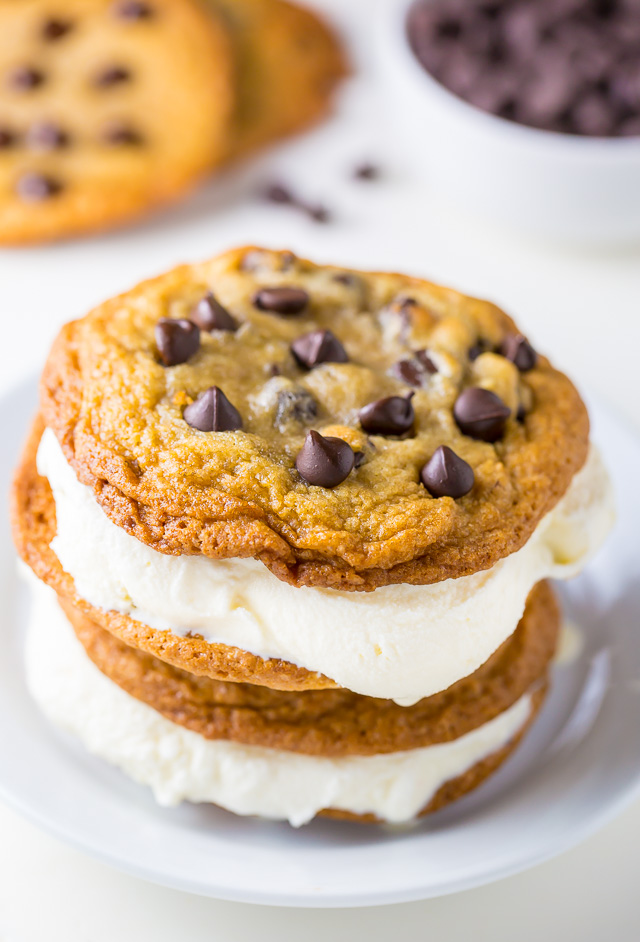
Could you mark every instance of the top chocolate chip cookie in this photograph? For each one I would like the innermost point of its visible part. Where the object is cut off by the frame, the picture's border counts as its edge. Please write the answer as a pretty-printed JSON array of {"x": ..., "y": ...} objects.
[{"x": 348, "y": 429}]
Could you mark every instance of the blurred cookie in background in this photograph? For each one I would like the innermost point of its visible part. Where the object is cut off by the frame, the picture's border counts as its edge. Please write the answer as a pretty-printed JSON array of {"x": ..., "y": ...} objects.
[
  {"x": 107, "y": 109},
  {"x": 288, "y": 64}
]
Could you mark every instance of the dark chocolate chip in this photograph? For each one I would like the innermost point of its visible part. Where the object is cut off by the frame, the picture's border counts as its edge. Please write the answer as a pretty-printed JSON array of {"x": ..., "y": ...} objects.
[
  {"x": 25, "y": 78},
  {"x": 324, "y": 461},
  {"x": 45, "y": 135},
  {"x": 209, "y": 314},
  {"x": 481, "y": 414},
  {"x": 7, "y": 139},
  {"x": 318, "y": 346},
  {"x": 446, "y": 474},
  {"x": 346, "y": 278},
  {"x": 54, "y": 29},
  {"x": 284, "y": 299},
  {"x": 415, "y": 371},
  {"x": 133, "y": 10},
  {"x": 521, "y": 413},
  {"x": 297, "y": 405},
  {"x": 177, "y": 340},
  {"x": 393, "y": 415},
  {"x": 119, "y": 133},
  {"x": 366, "y": 171},
  {"x": 112, "y": 75},
  {"x": 36, "y": 187},
  {"x": 316, "y": 211},
  {"x": 212, "y": 412},
  {"x": 359, "y": 458},
  {"x": 277, "y": 193},
  {"x": 518, "y": 349}
]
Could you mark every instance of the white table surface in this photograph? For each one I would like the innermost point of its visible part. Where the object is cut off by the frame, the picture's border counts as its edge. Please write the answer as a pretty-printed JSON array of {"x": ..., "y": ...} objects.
[{"x": 582, "y": 306}]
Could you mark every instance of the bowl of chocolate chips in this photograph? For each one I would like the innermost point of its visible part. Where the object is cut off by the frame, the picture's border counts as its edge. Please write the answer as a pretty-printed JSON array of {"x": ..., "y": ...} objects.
[{"x": 524, "y": 111}]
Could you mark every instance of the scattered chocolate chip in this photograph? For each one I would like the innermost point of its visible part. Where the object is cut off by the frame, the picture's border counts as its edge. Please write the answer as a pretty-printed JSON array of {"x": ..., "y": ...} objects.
[
  {"x": 45, "y": 135},
  {"x": 212, "y": 412},
  {"x": 521, "y": 413},
  {"x": 366, "y": 171},
  {"x": 112, "y": 75},
  {"x": 318, "y": 346},
  {"x": 518, "y": 349},
  {"x": 119, "y": 133},
  {"x": 209, "y": 314},
  {"x": 296, "y": 405},
  {"x": 36, "y": 187},
  {"x": 277, "y": 193},
  {"x": 393, "y": 415},
  {"x": 345, "y": 278},
  {"x": 284, "y": 299},
  {"x": 324, "y": 461},
  {"x": 54, "y": 29},
  {"x": 358, "y": 459},
  {"x": 414, "y": 372},
  {"x": 133, "y": 10},
  {"x": 446, "y": 474},
  {"x": 7, "y": 139},
  {"x": 25, "y": 78},
  {"x": 177, "y": 340},
  {"x": 481, "y": 414},
  {"x": 283, "y": 196}
]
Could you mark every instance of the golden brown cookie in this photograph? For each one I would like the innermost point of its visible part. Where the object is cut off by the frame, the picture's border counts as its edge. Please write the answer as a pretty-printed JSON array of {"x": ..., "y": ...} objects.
[
  {"x": 107, "y": 109},
  {"x": 475, "y": 440},
  {"x": 288, "y": 64},
  {"x": 330, "y": 722},
  {"x": 456, "y": 788}
]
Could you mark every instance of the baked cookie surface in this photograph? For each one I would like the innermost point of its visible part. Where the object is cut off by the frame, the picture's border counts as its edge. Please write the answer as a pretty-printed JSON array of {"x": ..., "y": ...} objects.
[
  {"x": 330, "y": 722},
  {"x": 107, "y": 108},
  {"x": 370, "y": 428},
  {"x": 288, "y": 64}
]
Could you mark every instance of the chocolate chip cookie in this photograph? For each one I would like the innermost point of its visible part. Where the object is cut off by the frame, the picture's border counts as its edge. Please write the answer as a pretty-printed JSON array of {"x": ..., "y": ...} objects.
[
  {"x": 288, "y": 64},
  {"x": 107, "y": 108},
  {"x": 348, "y": 429}
]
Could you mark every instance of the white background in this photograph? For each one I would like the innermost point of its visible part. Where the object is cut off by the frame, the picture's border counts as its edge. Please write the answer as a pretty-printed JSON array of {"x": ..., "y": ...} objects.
[{"x": 581, "y": 306}]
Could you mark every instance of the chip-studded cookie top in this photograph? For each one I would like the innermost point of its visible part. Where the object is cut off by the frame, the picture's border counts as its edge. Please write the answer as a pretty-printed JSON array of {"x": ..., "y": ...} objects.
[
  {"x": 349, "y": 429},
  {"x": 107, "y": 108}
]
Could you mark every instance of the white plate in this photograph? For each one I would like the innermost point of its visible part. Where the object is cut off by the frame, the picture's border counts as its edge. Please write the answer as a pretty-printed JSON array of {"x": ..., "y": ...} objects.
[{"x": 578, "y": 767}]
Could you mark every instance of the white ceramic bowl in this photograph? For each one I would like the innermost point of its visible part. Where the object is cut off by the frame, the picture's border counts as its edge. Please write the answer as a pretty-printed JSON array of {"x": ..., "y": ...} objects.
[{"x": 552, "y": 185}]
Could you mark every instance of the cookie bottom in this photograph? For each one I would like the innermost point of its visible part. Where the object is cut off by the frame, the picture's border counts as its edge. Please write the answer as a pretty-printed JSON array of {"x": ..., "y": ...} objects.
[{"x": 179, "y": 764}]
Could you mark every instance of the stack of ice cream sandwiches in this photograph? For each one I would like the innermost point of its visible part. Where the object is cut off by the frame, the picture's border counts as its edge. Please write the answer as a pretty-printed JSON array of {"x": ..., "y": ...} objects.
[{"x": 292, "y": 527}]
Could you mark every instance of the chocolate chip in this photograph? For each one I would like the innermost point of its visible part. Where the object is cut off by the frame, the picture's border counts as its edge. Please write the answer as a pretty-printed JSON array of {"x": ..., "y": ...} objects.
[
  {"x": 521, "y": 413},
  {"x": 318, "y": 346},
  {"x": 25, "y": 78},
  {"x": 7, "y": 139},
  {"x": 324, "y": 461},
  {"x": 36, "y": 187},
  {"x": 45, "y": 135},
  {"x": 480, "y": 347},
  {"x": 446, "y": 474},
  {"x": 277, "y": 193},
  {"x": 481, "y": 414},
  {"x": 393, "y": 415},
  {"x": 118, "y": 132},
  {"x": 133, "y": 10},
  {"x": 284, "y": 299},
  {"x": 359, "y": 458},
  {"x": 518, "y": 349},
  {"x": 54, "y": 29},
  {"x": 177, "y": 340},
  {"x": 209, "y": 314},
  {"x": 317, "y": 212},
  {"x": 366, "y": 171},
  {"x": 296, "y": 405},
  {"x": 414, "y": 372},
  {"x": 345, "y": 278},
  {"x": 212, "y": 412},
  {"x": 112, "y": 75}
]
